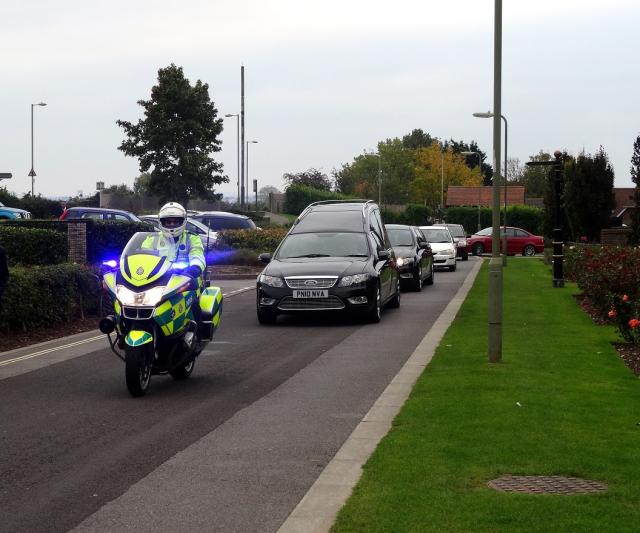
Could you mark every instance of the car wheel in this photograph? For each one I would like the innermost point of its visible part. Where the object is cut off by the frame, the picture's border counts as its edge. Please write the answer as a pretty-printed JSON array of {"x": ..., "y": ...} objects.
[
  {"x": 478, "y": 248},
  {"x": 529, "y": 250},
  {"x": 375, "y": 311},
  {"x": 395, "y": 301},
  {"x": 417, "y": 280},
  {"x": 452, "y": 268},
  {"x": 430, "y": 279},
  {"x": 266, "y": 317}
]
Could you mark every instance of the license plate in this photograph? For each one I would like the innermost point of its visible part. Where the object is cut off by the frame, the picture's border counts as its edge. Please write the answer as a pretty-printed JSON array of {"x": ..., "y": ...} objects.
[{"x": 311, "y": 293}]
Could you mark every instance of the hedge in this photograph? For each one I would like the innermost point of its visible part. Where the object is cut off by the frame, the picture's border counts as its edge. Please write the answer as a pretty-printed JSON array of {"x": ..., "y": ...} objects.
[
  {"x": 32, "y": 246},
  {"x": 297, "y": 197},
  {"x": 413, "y": 214},
  {"x": 46, "y": 295},
  {"x": 106, "y": 239},
  {"x": 266, "y": 240},
  {"x": 521, "y": 216}
]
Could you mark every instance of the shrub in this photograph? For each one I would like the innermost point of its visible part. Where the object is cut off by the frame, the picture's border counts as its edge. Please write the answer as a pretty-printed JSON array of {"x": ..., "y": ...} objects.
[
  {"x": 107, "y": 239},
  {"x": 45, "y": 295},
  {"x": 31, "y": 246},
  {"x": 297, "y": 197},
  {"x": 468, "y": 217},
  {"x": 266, "y": 240}
]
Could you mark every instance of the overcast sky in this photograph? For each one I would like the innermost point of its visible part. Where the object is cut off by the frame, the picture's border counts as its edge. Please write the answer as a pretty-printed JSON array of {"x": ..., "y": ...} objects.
[{"x": 324, "y": 80}]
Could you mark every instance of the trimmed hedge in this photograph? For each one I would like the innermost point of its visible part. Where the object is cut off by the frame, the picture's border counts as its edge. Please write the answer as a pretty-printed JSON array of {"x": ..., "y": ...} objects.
[
  {"x": 521, "y": 216},
  {"x": 32, "y": 246},
  {"x": 297, "y": 197},
  {"x": 46, "y": 295},
  {"x": 266, "y": 240},
  {"x": 107, "y": 239},
  {"x": 413, "y": 215}
]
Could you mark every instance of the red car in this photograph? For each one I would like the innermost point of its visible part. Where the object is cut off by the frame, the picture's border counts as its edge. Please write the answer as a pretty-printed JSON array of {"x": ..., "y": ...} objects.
[{"x": 519, "y": 241}]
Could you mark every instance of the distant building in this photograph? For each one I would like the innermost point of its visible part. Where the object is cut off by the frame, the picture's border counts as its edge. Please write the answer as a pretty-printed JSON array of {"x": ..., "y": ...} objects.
[{"x": 624, "y": 204}]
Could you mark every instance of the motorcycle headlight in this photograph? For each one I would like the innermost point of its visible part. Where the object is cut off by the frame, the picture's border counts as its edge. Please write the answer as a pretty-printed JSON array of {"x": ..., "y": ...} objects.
[
  {"x": 356, "y": 279},
  {"x": 147, "y": 298},
  {"x": 271, "y": 281}
]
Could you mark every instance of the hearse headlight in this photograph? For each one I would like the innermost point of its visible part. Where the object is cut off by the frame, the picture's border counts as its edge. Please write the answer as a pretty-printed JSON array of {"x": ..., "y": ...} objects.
[
  {"x": 356, "y": 279},
  {"x": 271, "y": 281}
]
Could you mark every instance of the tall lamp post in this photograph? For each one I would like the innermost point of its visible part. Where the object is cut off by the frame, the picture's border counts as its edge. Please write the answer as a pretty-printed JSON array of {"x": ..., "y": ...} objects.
[
  {"x": 377, "y": 154},
  {"x": 237, "y": 115},
  {"x": 248, "y": 143},
  {"x": 479, "y": 188},
  {"x": 32, "y": 172},
  {"x": 489, "y": 114},
  {"x": 442, "y": 185}
]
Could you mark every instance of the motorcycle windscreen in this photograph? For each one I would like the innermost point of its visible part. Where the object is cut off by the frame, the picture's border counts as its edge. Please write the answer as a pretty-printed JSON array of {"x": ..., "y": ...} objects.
[{"x": 147, "y": 257}]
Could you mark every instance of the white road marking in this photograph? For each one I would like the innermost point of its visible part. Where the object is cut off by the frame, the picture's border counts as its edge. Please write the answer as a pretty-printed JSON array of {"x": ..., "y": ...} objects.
[{"x": 85, "y": 341}]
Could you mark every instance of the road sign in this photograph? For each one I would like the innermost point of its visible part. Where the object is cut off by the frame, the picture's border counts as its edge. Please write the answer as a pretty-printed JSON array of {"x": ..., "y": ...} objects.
[
  {"x": 5, "y": 175},
  {"x": 32, "y": 173}
]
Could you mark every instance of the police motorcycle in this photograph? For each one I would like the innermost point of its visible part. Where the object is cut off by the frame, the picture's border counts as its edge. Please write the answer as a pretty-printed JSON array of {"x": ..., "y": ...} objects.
[{"x": 162, "y": 319}]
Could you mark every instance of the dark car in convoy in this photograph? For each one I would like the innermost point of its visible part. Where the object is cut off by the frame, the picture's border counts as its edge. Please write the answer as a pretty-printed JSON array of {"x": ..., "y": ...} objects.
[
  {"x": 336, "y": 256},
  {"x": 413, "y": 255},
  {"x": 519, "y": 241},
  {"x": 460, "y": 238},
  {"x": 98, "y": 213},
  {"x": 221, "y": 220}
]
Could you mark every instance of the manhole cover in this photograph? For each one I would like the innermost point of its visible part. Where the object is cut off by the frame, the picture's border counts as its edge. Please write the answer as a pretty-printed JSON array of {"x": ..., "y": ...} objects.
[{"x": 546, "y": 485}]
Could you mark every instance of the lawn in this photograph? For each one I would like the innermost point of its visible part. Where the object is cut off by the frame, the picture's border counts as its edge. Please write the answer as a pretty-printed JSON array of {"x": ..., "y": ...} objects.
[{"x": 561, "y": 403}]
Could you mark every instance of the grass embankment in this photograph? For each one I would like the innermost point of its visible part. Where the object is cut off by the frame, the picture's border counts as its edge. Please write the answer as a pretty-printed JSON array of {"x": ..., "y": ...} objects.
[{"x": 462, "y": 426}]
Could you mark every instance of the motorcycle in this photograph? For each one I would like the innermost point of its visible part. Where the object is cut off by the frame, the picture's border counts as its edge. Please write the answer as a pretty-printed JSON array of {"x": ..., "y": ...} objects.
[{"x": 162, "y": 319}]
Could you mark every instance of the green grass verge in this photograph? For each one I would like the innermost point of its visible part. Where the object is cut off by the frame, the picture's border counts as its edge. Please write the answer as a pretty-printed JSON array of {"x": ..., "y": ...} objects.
[{"x": 461, "y": 426}]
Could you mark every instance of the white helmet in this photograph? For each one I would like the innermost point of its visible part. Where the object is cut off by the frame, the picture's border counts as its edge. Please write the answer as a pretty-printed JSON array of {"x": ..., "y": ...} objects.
[{"x": 173, "y": 218}]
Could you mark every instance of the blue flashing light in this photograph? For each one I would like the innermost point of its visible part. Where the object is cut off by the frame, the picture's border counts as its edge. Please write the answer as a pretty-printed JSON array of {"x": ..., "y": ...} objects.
[
  {"x": 112, "y": 263},
  {"x": 180, "y": 265}
]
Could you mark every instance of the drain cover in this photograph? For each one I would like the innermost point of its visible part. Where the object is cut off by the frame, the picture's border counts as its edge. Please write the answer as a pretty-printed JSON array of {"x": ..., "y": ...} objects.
[{"x": 547, "y": 485}]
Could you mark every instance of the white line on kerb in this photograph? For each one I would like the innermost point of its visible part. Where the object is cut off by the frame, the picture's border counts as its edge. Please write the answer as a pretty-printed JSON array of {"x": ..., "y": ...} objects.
[{"x": 85, "y": 341}]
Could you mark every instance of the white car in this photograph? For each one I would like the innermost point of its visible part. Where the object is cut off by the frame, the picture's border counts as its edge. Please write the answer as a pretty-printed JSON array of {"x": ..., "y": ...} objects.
[
  {"x": 442, "y": 245},
  {"x": 208, "y": 237}
]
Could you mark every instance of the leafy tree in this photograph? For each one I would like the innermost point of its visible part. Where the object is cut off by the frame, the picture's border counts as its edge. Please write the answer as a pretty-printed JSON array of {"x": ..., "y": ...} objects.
[
  {"x": 263, "y": 193},
  {"x": 635, "y": 176},
  {"x": 121, "y": 190},
  {"x": 435, "y": 170},
  {"x": 141, "y": 185},
  {"x": 175, "y": 139},
  {"x": 472, "y": 160},
  {"x": 309, "y": 178},
  {"x": 536, "y": 179},
  {"x": 515, "y": 171},
  {"x": 588, "y": 194},
  {"x": 418, "y": 139}
]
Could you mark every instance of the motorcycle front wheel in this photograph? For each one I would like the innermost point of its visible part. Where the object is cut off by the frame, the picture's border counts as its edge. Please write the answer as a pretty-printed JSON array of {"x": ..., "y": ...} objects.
[{"x": 138, "y": 361}]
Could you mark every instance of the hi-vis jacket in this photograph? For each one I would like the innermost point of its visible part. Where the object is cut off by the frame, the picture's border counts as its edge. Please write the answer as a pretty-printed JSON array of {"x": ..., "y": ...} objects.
[{"x": 190, "y": 250}]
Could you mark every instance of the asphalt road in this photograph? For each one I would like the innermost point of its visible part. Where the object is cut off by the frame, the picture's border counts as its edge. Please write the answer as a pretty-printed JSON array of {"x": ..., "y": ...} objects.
[{"x": 234, "y": 448}]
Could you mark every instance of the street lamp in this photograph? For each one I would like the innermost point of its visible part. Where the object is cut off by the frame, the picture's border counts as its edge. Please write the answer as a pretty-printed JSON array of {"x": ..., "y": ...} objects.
[
  {"x": 377, "y": 154},
  {"x": 248, "y": 143},
  {"x": 237, "y": 115},
  {"x": 489, "y": 114},
  {"x": 442, "y": 185},
  {"x": 32, "y": 172},
  {"x": 479, "y": 188}
]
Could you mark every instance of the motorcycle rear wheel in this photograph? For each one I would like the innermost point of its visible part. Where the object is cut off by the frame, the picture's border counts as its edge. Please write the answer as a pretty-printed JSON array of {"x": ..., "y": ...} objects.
[
  {"x": 183, "y": 371},
  {"x": 138, "y": 368}
]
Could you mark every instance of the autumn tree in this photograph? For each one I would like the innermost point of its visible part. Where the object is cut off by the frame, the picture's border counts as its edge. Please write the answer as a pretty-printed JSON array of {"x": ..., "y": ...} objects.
[
  {"x": 310, "y": 178},
  {"x": 176, "y": 137}
]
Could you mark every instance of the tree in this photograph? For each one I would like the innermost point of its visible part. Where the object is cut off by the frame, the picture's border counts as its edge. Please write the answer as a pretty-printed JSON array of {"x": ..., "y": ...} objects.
[
  {"x": 418, "y": 139},
  {"x": 175, "y": 139},
  {"x": 141, "y": 185},
  {"x": 635, "y": 176},
  {"x": 536, "y": 179},
  {"x": 310, "y": 178},
  {"x": 121, "y": 190},
  {"x": 263, "y": 193},
  {"x": 515, "y": 171},
  {"x": 472, "y": 160},
  {"x": 588, "y": 194}
]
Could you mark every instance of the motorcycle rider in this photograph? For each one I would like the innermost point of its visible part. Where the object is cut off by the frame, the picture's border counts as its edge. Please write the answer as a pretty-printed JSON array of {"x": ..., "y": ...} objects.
[{"x": 173, "y": 220}]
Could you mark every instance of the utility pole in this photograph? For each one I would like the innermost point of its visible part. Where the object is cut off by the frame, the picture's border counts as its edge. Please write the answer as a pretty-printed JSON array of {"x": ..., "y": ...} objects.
[
  {"x": 495, "y": 264},
  {"x": 242, "y": 189}
]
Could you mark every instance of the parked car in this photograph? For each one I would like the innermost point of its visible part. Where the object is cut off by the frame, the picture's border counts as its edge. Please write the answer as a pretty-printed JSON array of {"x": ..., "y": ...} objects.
[
  {"x": 414, "y": 257},
  {"x": 460, "y": 238},
  {"x": 442, "y": 245},
  {"x": 12, "y": 213},
  {"x": 207, "y": 236},
  {"x": 220, "y": 220},
  {"x": 519, "y": 241},
  {"x": 336, "y": 256},
  {"x": 98, "y": 213}
]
